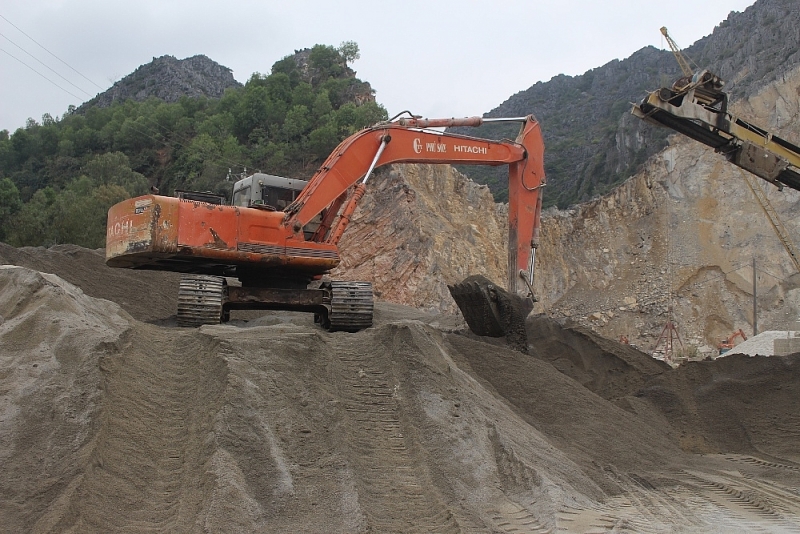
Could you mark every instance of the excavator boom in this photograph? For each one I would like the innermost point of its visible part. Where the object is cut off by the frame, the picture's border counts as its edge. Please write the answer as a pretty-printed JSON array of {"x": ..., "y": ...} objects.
[{"x": 407, "y": 141}]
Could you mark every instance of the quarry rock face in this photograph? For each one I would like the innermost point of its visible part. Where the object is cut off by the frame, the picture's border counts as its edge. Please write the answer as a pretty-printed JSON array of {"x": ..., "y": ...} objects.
[
  {"x": 680, "y": 235},
  {"x": 419, "y": 228}
]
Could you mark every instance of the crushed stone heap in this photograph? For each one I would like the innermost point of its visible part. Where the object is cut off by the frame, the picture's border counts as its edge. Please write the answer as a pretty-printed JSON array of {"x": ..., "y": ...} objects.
[{"x": 114, "y": 419}]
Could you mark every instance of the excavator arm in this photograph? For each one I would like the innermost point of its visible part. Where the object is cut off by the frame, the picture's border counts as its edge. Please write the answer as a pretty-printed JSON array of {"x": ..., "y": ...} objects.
[
  {"x": 339, "y": 184},
  {"x": 340, "y": 181}
]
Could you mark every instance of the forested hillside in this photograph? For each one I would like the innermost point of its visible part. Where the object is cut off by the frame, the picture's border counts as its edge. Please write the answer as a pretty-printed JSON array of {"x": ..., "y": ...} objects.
[
  {"x": 58, "y": 177},
  {"x": 592, "y": 141}
]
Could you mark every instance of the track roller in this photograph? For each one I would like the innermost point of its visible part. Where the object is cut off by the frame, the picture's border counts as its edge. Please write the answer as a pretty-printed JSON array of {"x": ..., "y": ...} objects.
[{"x": 200, "y": 299}]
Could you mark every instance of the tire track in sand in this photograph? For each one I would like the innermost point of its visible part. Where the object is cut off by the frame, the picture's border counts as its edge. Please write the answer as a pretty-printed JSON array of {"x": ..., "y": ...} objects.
[
  {"x": 761, "y": 505},
  {"x": 394, "y": 489},
  {"x": 148, "y": 470}
]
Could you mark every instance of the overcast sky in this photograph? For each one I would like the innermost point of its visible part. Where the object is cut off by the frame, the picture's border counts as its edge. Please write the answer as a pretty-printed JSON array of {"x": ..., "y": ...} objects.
[{"x": 435, "y": 58}]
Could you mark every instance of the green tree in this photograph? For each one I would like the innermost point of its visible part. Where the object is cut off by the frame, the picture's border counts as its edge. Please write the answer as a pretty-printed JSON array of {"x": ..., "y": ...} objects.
[
  {"x": 327, "y": 62},
  {"x": 368, "y": 114},
  {"x": 23, "y": 146},
  {"x": 287, "y": 66},
  {"x": 322, "y": 104},
  {"x": 323, "y": 140},
  {"x": 297, "y": 123},
  {"x": 114, "y": 168},
  {"x": 303, "y": 95},
  {"x": 201, "y": 164},
  {"x": 279, "y": 88},
  {"x": 10, "y": 204},
  {"x": 349, "y": 51},
  {"x": 80, "y": 211},
  {"x": 32, "y": 225}
]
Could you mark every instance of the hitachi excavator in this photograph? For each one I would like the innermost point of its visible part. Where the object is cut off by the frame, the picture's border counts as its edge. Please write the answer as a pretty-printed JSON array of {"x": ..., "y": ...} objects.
[
  {"x": 727, "y": 344},
  {"x": 279, "y": 236}
]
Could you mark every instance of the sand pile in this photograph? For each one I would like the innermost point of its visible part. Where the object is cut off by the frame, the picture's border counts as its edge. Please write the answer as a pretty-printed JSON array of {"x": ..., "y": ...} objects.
[
  {"x": 147, "y": 296},
  {"x": 738, "y": 403},
  {"x": 273, "y": 425}
]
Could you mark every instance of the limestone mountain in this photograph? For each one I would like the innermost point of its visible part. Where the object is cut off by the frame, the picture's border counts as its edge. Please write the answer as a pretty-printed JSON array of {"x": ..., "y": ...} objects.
[
  {"x": 321, "y": 64},
  {"x": 168, "y": 79},
  {"x": 592, "y": 141}
]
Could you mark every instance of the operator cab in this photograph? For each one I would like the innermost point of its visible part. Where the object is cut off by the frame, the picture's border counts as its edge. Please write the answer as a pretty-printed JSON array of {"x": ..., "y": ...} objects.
[
  {"x": 266, "y": 191},
  {"x": 271, "y": 193}
]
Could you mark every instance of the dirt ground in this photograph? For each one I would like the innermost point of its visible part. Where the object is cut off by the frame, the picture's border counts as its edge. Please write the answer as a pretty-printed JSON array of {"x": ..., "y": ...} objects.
[{"x": 112, "y": 419}]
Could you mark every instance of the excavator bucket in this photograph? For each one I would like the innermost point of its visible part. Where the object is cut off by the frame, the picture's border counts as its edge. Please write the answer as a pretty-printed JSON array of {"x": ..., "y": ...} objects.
[{"x": 492, "y": 311}]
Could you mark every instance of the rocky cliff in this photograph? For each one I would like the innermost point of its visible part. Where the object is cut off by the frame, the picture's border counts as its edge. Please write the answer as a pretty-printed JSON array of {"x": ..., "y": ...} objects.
[
  {"x": 168, "y": 79},
  {"x": 421, "y": 227},
  {"x": 681, "y": 235}
]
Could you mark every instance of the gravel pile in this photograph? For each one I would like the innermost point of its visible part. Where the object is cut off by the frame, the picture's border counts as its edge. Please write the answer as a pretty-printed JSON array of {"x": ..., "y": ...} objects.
[{"x": 761, "y": 345}]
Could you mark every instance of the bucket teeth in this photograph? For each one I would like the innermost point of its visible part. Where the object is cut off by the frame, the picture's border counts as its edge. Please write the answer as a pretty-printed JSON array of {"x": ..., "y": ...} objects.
[
  {"x": 491, "y": 311},
  {"x": 478, "y": 304}
]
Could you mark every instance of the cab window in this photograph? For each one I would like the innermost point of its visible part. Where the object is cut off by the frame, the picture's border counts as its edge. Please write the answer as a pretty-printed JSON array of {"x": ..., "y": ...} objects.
[
  {"x": 278, "y": 197},
  {"x": 242, "y": 197}
]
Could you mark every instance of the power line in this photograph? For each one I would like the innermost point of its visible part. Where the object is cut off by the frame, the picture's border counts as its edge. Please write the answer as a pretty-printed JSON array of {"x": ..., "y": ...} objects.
[
  {"x": 132, "y": 124},
  {"x": 46, "y": 66},
  {"x": 49, "y": 52},
  {"x": 39, "y": 73}
]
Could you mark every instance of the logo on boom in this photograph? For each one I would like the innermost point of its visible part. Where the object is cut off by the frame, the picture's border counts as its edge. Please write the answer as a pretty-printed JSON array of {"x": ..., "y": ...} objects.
[
  {"x": 429, "y": 147},
  {"x": 471, "y": 149}
]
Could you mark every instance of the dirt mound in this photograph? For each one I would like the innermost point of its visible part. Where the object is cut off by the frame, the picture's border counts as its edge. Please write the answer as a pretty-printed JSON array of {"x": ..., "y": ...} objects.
[
  {"x": 610, "y": 369},
  {"x": 738, "y": 404},
  {"x": 591, "y": 430},
  {"x": 50, "y": 389},
  {"x": 146, "y": 295},
  {"x": 274, "y": 425}
]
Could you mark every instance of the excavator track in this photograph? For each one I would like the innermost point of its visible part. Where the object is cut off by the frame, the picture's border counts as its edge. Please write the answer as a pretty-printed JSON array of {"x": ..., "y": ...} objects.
[
  {"x": 351, "y": 306},
  {"x": 200, "y": 299}
]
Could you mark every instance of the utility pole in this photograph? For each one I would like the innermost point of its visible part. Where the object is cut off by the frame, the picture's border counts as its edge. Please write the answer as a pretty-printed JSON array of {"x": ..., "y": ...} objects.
[{"x": 755, "y": 301}]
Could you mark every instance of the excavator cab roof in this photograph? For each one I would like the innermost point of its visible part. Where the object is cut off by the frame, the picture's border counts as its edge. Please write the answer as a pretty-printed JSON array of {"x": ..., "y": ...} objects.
[{"x": 275, "y": 191}]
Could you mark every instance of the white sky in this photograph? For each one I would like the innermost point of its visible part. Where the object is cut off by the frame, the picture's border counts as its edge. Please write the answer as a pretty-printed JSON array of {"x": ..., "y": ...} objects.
[{"x": 435, "y": 58}]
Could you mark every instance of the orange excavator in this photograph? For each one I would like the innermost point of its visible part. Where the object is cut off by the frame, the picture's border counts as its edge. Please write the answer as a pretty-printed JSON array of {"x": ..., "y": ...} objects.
[
  {"x": 279, "y": 236},
  {"x": 728, "y": 343}
]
